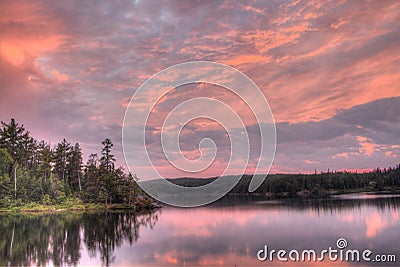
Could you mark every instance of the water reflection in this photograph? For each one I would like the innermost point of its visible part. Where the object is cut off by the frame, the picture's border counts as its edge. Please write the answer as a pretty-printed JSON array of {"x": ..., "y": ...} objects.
[
  {"x": 227, "y": 233},
  {"x": 230, "y": 233},
  {"x": 31, "y": 239}
]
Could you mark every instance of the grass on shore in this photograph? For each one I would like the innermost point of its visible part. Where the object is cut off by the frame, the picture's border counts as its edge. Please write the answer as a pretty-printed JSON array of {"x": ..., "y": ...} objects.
[
  {"x": 75, "y": 204},
  {"x": 37, "y": 207}
]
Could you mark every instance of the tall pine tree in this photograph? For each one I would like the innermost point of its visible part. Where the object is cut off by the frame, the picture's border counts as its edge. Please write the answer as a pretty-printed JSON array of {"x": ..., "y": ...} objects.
[
  {"x": 60, "y": 158},
  {"x": 19, "y": 144},
  {"x": 74, "y": 168},
  {"x": 107, "y": 160}
]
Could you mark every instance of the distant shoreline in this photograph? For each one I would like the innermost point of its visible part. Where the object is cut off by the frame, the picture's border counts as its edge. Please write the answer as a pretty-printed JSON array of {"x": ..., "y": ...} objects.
[
  {"x": 306, "y": 185},
  {"x": 326, "y": 194}
]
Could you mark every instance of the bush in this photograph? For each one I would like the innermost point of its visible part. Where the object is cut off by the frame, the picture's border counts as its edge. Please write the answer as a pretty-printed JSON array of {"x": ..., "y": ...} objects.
[
  {"x": 5, "y": 202},
  {"x": 46, "y": 200},
  {"x": 73, "y": 202},
  {"x": 18, "y": 203},
  {"x": 61, "y": 198}
]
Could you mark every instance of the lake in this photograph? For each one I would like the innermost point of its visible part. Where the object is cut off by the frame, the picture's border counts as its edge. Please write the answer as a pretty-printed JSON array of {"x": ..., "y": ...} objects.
[{"x": 230, "y": 232}]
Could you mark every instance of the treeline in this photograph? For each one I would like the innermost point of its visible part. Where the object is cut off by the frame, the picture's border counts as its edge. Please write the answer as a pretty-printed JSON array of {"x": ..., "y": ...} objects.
[
  {"x": 325, "y": 182},
  {"x": 33, "y": 171},
  {"x": 312, "y": 184}
]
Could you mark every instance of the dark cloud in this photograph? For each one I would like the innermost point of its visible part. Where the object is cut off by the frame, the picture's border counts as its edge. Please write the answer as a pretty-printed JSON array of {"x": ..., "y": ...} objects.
[
  {"x": 368, "y": 119},
  {"x": 364, "y": 136}
]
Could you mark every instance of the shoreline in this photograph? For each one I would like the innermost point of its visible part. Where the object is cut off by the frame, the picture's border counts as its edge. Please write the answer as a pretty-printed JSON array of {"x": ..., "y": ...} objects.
[
  {"x": 152, "y": 206},
  {"x": 40, "y": 208},
  {"x": 320, "y": 193}
]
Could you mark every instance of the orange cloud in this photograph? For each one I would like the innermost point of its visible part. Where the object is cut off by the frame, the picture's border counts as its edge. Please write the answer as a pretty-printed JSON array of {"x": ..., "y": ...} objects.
[
  {"x": 245, "y": 59},
  {"x": 27, "y": 32},
  {"x": 367, "y": 147},
  {"x": 59, "y": 77}
]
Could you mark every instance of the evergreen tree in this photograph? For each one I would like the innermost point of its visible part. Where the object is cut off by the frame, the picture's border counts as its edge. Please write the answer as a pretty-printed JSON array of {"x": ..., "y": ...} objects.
[
  {"x": 90, "y": 183},
  {"x": 107, "y": 160},
  {"x": 43, "y": 161},
  {"x": 5, "y": 181},
  {"x": 107, "y": 174},
  {"x": 60, "y": 158},
  {"x": 31, "y": 171},
  {"x": 29, "y": 188},
  {"x": 19, "y": 144},
  {"x": 74, "y": 168}
]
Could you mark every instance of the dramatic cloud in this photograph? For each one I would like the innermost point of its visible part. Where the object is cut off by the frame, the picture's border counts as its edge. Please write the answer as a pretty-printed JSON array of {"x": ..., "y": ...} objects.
[
  {"x": 329, "y": 70},
  {"x": 362, "y": 137}
]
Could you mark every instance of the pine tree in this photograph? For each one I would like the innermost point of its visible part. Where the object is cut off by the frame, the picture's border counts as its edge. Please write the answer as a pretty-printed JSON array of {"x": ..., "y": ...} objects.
[
  {"x": 60, "y": 158},
  {"x": 90, "y": 183},
  {"x": 19, "y": 144},
  {"x": 5, "y": 181},
  {"x": 43, "y": 161},
  {"x": 74, "y": 168},
  {"x": 107, "y": 160}
]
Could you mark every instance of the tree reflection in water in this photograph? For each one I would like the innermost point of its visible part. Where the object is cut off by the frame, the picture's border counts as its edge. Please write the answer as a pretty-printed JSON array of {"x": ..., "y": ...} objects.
[{"x": 32, "y": 239}]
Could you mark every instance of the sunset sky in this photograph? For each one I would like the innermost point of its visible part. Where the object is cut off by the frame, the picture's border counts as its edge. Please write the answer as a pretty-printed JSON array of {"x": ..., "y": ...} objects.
[{"x": 330, "y": 71}]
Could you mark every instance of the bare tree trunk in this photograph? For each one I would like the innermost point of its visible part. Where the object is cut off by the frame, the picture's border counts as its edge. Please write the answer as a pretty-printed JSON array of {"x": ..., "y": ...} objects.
[
  {"x": 79, "y": 181},
  {"x": 15, "y": 181},
  {"x": 64, "y": 159}
]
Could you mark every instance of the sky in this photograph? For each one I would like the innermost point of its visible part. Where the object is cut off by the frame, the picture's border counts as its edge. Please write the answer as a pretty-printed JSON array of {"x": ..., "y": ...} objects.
[{"x": 329, "y": 70}]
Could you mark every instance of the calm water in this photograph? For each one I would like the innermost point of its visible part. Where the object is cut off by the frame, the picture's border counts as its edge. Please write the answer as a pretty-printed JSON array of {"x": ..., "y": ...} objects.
[{"x": 227, "y": 233}]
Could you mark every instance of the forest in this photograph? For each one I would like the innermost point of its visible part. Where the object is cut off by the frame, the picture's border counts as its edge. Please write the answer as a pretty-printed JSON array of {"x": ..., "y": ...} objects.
[
  {"x": 327, "y": 183},
  {"x": 31, "y": 171},
  {"x": 313, "y": 185}
]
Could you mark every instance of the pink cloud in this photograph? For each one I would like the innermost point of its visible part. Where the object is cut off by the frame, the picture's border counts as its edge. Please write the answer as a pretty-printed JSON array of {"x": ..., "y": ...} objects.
[{"x": 367, "y": 147}]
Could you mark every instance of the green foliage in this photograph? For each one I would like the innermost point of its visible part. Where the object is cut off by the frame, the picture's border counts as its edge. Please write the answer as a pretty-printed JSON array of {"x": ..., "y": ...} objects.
[
  {"x": 46, "y": 200},
  {"x": 32, "y": 171},
  {"x": 107, "y": 160},
  {"x": 60, "y": 159},
  {"x": 105, "y": 184},
  {"x": 5, "y": 161},
  {"x": 312, "y": 184},
  {"x": 44, "y": 162},
  {"x": 74, "y": 169},
  {"x": 320, "y": 184},
  {"x": 5, "y": 202},
  {"x": 73, "y": 202},
  {"x": 28, "y": 188},
  {"x": 18, "y": 143},
  {"x": 60, "y": 198},
  {"x": 5, "y": 182}
]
